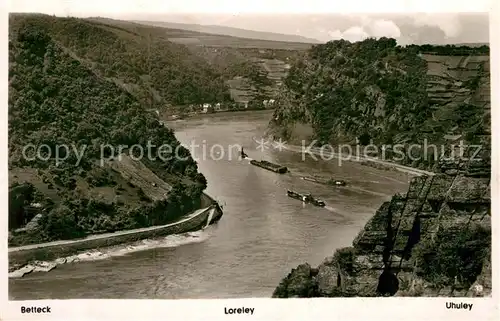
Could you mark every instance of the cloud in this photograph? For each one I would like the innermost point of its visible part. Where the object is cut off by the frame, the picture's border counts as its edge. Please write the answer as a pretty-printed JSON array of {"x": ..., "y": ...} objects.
[
  {"x": 384, "y": 28},
  {"x": 369, "y": 28},
  {"x": 355, "y": 33},
  {"x": 335, "y": 35},
  {"x": 449, "y": 23}
]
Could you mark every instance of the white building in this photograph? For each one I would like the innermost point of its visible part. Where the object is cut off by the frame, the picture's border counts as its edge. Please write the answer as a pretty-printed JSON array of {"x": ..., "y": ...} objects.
[
  {"x": 268, "y": 103},
  {"x": 207, "y": 108}
]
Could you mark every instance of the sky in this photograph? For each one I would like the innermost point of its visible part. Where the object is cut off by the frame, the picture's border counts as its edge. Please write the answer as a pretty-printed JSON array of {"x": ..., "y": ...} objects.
[
  {"x": 253, "y": 6},
  {"x": 319, "y": 19}
]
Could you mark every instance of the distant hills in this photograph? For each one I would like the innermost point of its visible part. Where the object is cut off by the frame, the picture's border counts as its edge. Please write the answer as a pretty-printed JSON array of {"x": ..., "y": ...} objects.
[
  {"x": 476, "y": 44},
  {"x": 233, "y": 32},
  {"x": 180, "y": 33}
]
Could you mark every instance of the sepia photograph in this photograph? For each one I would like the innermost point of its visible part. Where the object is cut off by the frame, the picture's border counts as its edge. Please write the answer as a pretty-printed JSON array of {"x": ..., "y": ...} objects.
[{"x": 157, "y": 153}]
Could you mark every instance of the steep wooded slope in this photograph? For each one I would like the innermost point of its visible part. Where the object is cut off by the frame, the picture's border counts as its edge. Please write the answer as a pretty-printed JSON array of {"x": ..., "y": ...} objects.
[
  {"x": 376, "y": 91},
  {"x": 56, "y": 100}
]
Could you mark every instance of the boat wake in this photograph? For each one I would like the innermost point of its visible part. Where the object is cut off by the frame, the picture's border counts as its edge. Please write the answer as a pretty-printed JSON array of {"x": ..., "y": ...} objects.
[
  {"x": 170, "y": 241},
  {"x": 336, "y": 211},
  {"x": 209, "y": 219},
  {"x": 329, "y": 208},
  {"x": 367, "y": 191}
]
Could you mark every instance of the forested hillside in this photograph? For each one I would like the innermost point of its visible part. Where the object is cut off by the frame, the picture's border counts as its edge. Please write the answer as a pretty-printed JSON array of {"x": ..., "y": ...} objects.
[
  {"x": 162, "y": 67},
  {"x": 138, "y": 58},
  {"x": 376, "y": 91},
  {"x": 57, "y": 98}
]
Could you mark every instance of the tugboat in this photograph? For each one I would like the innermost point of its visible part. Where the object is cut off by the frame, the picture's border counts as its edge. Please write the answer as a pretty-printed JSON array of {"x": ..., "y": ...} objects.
[
  {"x": 270, "y": 166},
  {"x": 243, "y": 154},
  {"x": 337, "y": 182},
  {"x": 332, "y": 182},
  {"x": 306, "y": 198}
]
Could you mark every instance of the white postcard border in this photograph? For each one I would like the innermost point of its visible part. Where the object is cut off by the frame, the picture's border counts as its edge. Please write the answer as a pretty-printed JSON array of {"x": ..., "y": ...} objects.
[{"x": 271, "y": 309}]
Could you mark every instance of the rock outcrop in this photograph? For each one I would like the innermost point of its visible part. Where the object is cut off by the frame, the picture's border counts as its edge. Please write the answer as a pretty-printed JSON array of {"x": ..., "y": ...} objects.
[
  {"x": 433, "y": 241},
  {"x": 374, "y": 92}
]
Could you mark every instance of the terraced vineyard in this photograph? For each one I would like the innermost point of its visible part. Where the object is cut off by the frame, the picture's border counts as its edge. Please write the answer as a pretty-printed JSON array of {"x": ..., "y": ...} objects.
[
  {"x": 458, "y": 82},
  {"x": 250, "y": 73}
]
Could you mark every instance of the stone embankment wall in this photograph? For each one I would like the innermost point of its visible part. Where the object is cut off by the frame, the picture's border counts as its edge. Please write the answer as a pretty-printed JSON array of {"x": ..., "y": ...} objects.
[
  {"x": 20, "y": 256},
  {"x": 380, "y": 260}
]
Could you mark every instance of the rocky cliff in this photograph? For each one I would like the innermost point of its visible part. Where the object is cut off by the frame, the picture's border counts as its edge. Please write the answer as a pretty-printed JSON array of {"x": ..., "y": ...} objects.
[
  {"x": 375, "y": 91},
  {"x": 436, "y": 239},
  {"x": 432, "y": 241}
]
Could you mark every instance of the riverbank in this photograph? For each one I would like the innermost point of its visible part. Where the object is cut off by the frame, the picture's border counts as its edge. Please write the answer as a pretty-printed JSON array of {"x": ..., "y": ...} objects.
[
  {"x": 447, "y": 215},
  {"x": 218, "y": 113},
  {"x": 363, "y": 160},
  {"x": 45, "y": 256}
]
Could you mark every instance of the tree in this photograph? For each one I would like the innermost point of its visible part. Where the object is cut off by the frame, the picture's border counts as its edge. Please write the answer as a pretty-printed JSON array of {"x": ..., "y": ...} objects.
[
  {"x": 364, "y": 139},
  {"x": 60, "y": 223}
]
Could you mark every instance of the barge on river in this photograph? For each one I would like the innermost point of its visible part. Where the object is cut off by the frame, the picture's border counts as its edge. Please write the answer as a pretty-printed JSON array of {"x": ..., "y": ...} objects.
[
  {"x": 306, "y": 198},
  {"x": 270, "y": 166},
  {"x": 331, "y": 181}
]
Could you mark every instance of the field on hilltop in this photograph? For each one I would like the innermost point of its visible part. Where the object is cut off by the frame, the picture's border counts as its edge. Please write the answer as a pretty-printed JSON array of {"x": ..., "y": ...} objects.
[
  {"x": 166, "y": 31},
  {"x": 212, "y": 35}
]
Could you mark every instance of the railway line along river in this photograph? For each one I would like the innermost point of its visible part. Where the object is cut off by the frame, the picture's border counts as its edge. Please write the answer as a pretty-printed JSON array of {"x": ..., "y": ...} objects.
[{"x": 262, "y": 235}]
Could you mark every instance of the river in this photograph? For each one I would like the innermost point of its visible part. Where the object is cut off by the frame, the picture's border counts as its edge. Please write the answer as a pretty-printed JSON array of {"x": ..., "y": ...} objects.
[{"x": 261, "y": 237}]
